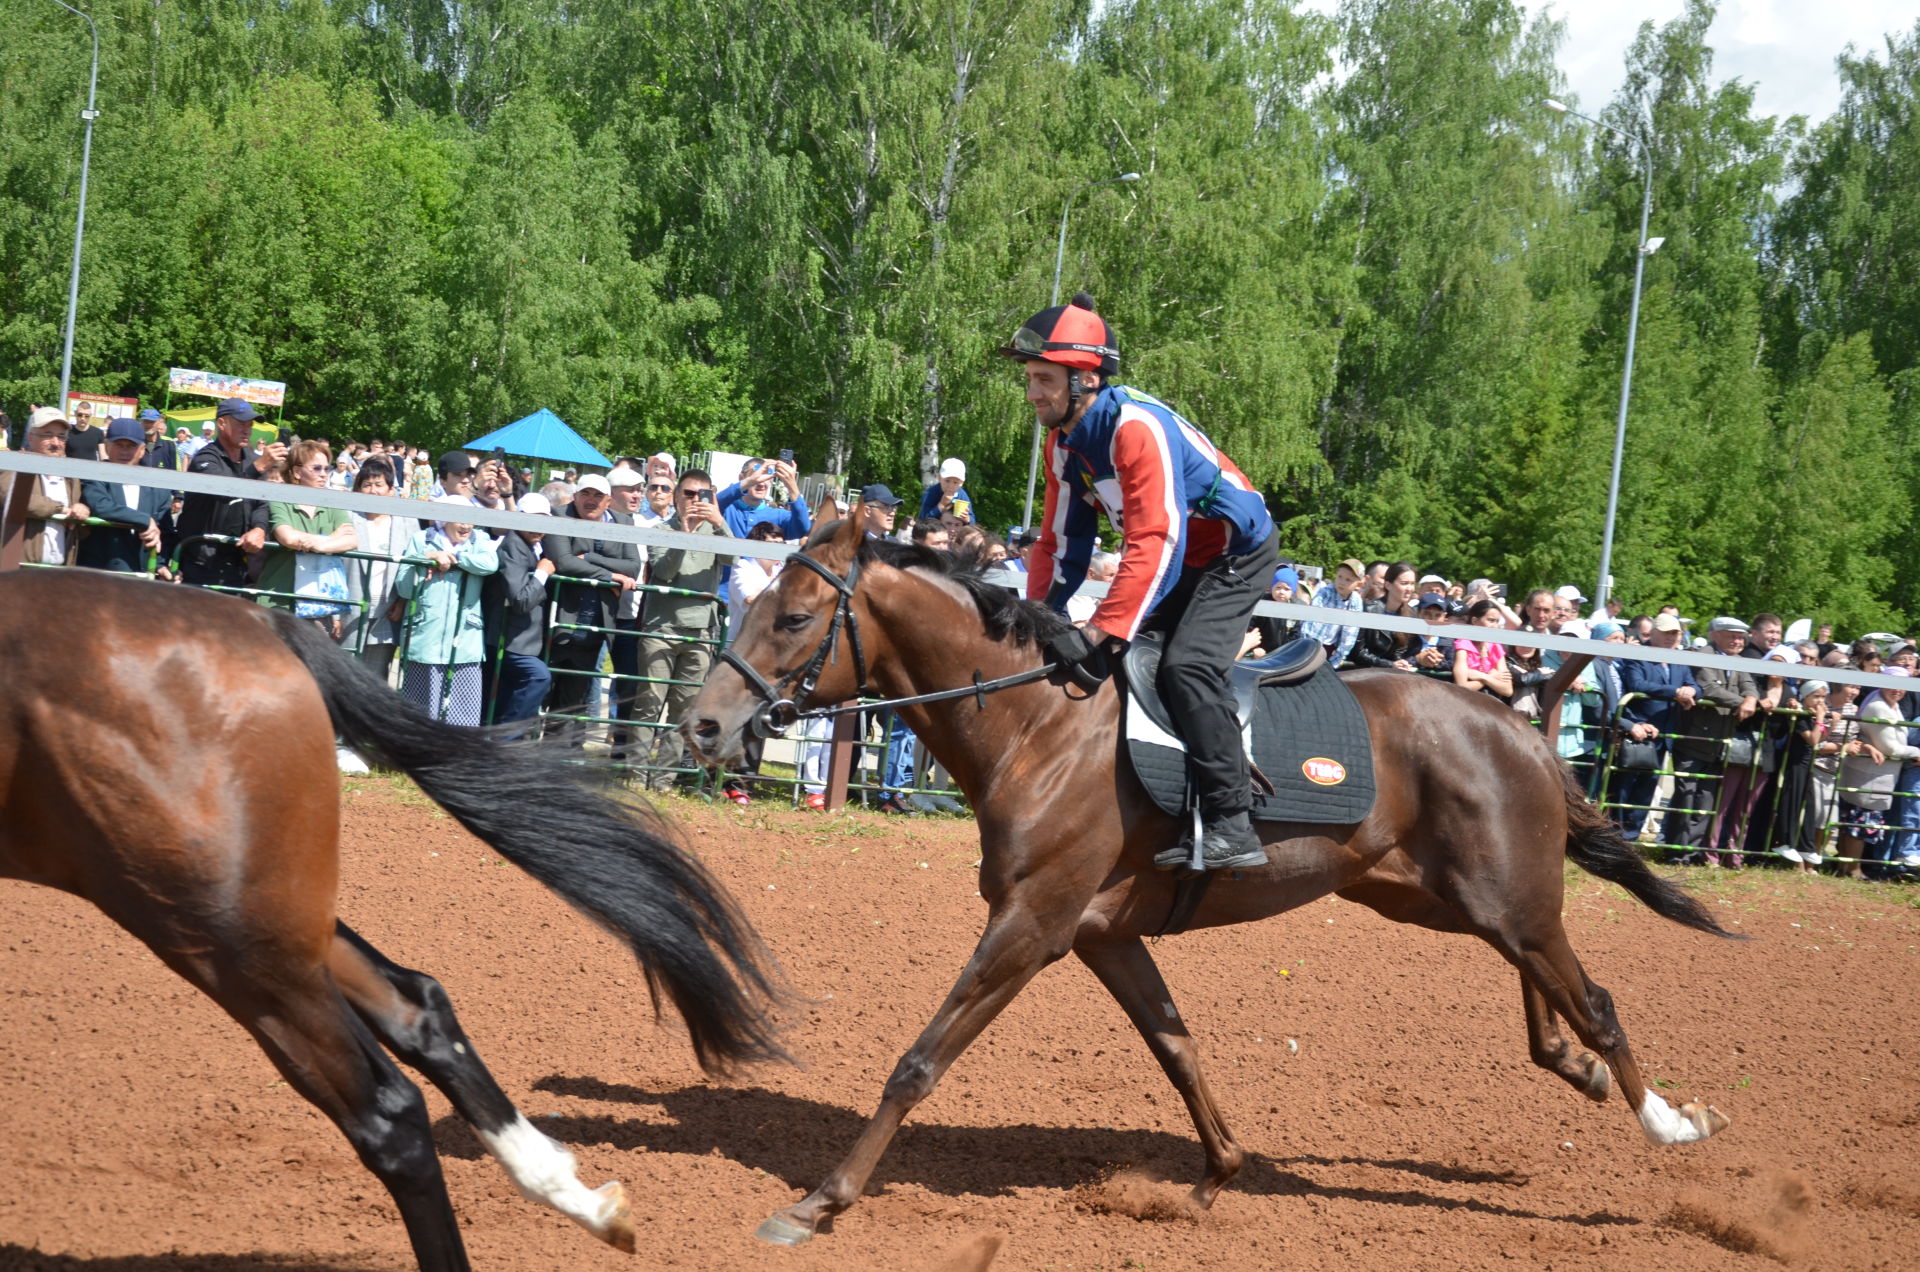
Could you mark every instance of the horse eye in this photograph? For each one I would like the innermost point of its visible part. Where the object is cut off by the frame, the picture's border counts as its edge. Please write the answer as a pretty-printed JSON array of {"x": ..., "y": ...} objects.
[{"x": 793, "y": 622}]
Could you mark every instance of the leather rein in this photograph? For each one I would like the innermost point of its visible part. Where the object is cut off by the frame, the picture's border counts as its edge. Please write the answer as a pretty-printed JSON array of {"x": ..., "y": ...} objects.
[{"x": 783, "y": 702}]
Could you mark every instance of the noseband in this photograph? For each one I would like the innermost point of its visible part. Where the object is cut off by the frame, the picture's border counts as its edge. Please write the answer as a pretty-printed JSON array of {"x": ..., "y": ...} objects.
[{"x": 780, "y": 711}]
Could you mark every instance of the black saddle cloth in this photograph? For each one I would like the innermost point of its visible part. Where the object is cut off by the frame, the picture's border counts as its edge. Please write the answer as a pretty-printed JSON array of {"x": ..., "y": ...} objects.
[{"x": 1309, "y": 738}]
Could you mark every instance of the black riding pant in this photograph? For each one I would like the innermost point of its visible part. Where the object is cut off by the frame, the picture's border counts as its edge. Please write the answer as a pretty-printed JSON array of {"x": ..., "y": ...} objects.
[{"x": 1206, "y": 618}]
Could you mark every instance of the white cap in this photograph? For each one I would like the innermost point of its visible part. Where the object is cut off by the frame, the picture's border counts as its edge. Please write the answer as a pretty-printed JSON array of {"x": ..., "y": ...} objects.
[
  {"x": 666, "y": 459},
  {"x": 593, "y": 481},
  {"x": 1431, "y": 578},
  {"x": 533, "y": 505},
  {"x": 207, "y": 426},
  {"x": 45, "y": 415},
  {"x": 624, "y": 477},
  {"x": 1569, "y": 592},
  {"x": 953, "y": 468}
]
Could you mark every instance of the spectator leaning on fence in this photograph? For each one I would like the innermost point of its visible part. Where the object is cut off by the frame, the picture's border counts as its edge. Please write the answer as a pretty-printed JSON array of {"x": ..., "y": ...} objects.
[
  {"x": 678, "y": 625},
  {"x": 212, "y": 564},
  {"x": 1705, "y": 756},
  {"x": 134, "y": 510},
  {"x": 1376, "y": 647},
  {"x": 1867, "y": 778},
  {"x": 309, "y": 536},
  {"x": 583, "y": 612},
  {"x": 1481, "y": 665},
  {"x": 1341, "y": 594},
  {"x": 515, "y": 613},
  {"x": 371, "y": 585},
  {"x": 445, "y": 629},
  {"x": 1659, "y": 690},
  {"x": 626, "y": 560},
  {"x": 746, "y": 580}
]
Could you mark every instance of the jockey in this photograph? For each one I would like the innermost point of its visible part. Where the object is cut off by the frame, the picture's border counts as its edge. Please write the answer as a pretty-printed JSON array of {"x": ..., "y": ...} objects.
[{"x": 1199, "y": 549}]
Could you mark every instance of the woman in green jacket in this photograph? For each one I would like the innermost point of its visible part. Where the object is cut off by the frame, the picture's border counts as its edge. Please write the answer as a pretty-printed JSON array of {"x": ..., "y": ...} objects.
[{"x": 444, "y": 645}]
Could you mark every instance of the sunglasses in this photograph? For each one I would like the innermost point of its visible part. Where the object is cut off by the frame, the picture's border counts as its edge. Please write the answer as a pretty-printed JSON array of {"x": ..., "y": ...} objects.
[{"x": 659, "y": 490}]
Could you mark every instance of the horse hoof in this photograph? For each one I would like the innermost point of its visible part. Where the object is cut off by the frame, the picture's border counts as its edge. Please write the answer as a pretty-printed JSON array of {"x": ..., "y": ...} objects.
[
  {"x": 616, "y": 1222},
  {"x": 782, "y": 1231},
  {"x": 1599, "y": 1078},
  {"x": 1705, "y": 1118}
]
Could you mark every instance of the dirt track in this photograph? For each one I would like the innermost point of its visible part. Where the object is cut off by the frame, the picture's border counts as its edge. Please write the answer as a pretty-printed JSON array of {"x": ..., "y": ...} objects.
[{"x": 1377, "y": 1075}]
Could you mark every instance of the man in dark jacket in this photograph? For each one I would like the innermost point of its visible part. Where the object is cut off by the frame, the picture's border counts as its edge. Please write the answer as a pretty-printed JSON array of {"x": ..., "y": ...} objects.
[
  {"x": 585, "y": 615},
  {"x": 134, "y": 510},
  {"x": 1728, "y": 700},
  {"x": 515, "y": 612},
  {"x": 227, "y": 455},
  {"x": 1659, "y": 691}
]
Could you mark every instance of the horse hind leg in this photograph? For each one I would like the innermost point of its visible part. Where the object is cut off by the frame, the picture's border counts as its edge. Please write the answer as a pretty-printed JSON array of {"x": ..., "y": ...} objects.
[
  {"x": 1583, "y": 1071},
  {"x": 1129, "y": 973},
  {"x": 409, "y": 1011},
  {"x": 1549, "y": 963}
]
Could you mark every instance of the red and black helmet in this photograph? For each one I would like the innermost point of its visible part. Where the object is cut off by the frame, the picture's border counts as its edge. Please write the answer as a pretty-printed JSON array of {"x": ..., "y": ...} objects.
[{"x": 1071, "y": 334}]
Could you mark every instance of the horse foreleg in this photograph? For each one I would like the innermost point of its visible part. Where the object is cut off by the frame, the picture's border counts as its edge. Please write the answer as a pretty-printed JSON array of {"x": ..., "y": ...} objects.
[
  {"x": 410, "y": 1013},
  {"x": 1583, "y": 1072},
  {"x": 1011, "y": 952},
  {"x": 1128, "y": 971}
]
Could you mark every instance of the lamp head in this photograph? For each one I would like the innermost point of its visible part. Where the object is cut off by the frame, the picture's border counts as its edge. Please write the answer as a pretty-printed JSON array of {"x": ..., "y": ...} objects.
[
  {"x": 1651, "y": 246},
  {"x": 1557, "y": 107}
]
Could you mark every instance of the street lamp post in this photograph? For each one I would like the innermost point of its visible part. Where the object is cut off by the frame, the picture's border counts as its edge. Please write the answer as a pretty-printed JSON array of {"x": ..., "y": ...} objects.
[
  {"x": 80, "y": 220},
  {"x": 1643, "y": 248},
  {"x": 1059, "y": 261}
]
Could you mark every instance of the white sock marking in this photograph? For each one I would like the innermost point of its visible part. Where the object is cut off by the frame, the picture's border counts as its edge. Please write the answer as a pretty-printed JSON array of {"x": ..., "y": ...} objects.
[
  {"x": 543, "y": 1171},
  {"x": 1664, "y": 1124}
]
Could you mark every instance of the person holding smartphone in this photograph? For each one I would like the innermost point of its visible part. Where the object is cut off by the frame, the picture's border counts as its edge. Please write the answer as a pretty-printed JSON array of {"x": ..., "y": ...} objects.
[{"x": 748, "y": 502}]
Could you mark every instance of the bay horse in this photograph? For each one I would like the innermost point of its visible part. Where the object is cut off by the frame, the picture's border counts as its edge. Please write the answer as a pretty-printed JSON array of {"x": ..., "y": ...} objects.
[
  {"x": 167, "y": 754},
  {"x": 1067, "y": 833}
]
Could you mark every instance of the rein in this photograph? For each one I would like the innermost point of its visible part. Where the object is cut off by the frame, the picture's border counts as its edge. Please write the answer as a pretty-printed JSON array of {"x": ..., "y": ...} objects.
[{"x": 780, "y": 711}]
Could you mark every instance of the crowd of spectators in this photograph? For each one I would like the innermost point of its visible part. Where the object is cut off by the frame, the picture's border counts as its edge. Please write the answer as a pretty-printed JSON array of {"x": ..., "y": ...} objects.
[{"x": 1718, "y": 766}]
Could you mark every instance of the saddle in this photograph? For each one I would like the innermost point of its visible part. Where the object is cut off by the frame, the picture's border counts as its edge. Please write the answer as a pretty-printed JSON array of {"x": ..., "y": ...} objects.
[{"x": 1301, "y": 727}]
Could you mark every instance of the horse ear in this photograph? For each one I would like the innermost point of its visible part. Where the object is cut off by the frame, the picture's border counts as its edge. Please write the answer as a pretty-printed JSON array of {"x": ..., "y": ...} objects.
[{"x": 848, "y": 538}]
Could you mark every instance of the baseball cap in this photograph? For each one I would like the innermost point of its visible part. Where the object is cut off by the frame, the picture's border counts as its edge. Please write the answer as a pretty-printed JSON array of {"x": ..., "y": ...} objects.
[
  {"x": 624, "y": 477},
  {"x": 1429, "y": 600},
  {"x": 46, "y": 415},
  {"x": 879, "y": 494},
  {"x": 1668, "y": 623},
  {"x": 1432, "y": 578},
  {"x": 1725, "y": 624},
  {"x": 1353, "y": 563},
  {"x": 953, "y": 468},
  {"x": 456, "y": 462},
  {"x": 239, "y": 408},
  {"x": 122, "y": 429},
  {"x": 593, "y": 481},
  {"x": 1569, "y": 592},
  {"x": 149, "y": 414},
  {"x": 207, "y": 427},
  {"x": 534, "y": 505}
]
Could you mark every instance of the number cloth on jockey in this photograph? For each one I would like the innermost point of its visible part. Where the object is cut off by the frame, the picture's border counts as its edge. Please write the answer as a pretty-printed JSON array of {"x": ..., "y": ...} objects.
[{"x": 1175, "y": 497}]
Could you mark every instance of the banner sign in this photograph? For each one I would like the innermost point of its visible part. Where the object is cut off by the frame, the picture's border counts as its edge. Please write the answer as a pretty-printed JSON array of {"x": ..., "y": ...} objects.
[
  {"x": 214, "y": 385},
  {"x": 104, "y": 407}
]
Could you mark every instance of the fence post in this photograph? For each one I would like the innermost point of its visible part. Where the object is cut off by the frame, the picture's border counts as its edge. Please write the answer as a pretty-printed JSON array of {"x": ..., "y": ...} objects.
[
  {"x": 13, "y": 534},
  {"x": 846, "y": 732}
]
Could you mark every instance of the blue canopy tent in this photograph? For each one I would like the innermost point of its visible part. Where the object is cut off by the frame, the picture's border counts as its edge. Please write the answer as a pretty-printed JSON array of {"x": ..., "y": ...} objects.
[{"x": 542, "y": 435}]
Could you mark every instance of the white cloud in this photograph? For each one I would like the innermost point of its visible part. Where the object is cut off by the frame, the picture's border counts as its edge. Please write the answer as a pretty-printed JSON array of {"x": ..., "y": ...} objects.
[{"x": 1784, "y": 48}]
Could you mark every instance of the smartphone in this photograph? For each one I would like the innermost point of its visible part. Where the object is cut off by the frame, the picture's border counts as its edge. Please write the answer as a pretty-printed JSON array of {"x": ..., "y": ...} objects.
[
  {"x": 286, "y": 437},
  {"x": 786, "y": 455},
  {"x": 1498, "y": 591}
]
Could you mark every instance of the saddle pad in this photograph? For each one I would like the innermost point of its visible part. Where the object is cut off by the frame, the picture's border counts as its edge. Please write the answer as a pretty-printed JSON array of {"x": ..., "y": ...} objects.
[{"x": 1311, "y": 740}]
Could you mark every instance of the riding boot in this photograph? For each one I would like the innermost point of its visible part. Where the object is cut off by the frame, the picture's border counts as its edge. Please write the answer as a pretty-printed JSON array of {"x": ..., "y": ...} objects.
[{"x": 1228, "y": 843}]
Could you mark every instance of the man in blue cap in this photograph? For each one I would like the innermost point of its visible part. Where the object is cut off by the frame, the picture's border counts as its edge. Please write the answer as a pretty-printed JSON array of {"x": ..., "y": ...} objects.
[
  {"x": 877, "y": 509},
  {"x": 214, "y": 564},
  {"x": 133, "y": 511},
  {"x": 160, "y": 452}
]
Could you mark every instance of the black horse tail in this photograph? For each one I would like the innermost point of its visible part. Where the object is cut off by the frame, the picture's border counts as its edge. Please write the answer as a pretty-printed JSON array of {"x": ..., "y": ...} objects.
[
  {"x": 1597, "y": 847},
  {"x": 615, "y": 862}
]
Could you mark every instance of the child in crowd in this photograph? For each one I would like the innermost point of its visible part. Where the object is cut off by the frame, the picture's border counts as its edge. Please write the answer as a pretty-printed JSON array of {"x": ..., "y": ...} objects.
[{"x": 1482, "y": 664}]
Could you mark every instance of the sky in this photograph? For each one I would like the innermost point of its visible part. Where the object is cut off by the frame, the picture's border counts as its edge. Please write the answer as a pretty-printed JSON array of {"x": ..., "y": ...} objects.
[{"x": 1785, "y": 48}]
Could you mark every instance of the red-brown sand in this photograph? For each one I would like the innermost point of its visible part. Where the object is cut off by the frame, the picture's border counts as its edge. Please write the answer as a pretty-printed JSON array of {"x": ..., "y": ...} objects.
[{"x": 1377, "y": 1075}]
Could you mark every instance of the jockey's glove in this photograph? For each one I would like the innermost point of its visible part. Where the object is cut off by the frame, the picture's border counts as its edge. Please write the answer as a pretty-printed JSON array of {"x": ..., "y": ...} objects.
[{"x": 1079, "y": 659}]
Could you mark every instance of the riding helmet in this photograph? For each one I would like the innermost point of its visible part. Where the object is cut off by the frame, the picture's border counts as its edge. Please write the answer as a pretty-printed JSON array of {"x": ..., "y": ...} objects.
[{"x": 1071, "y": 334}]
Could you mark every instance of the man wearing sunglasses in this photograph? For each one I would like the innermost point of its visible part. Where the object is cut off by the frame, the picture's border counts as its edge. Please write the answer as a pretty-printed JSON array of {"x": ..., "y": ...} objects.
[{"x": 1199, "y": 550}]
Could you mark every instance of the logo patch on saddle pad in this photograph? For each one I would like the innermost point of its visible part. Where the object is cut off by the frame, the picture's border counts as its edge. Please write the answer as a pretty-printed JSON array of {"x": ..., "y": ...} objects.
[{"x": 1323, "y": 772}]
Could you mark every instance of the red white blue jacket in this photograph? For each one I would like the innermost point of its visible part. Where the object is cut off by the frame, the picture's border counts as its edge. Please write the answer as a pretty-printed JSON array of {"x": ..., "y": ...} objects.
[{"x": 1178, "y": 501}]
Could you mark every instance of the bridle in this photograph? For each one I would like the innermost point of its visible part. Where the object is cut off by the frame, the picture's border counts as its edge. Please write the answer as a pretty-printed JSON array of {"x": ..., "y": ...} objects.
[{"x": 780, "y": 710}]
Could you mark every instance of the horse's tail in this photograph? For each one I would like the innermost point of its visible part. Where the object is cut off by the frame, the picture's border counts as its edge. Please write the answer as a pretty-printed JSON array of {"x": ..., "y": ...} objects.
[
  {"x": 615, "y": 862},
  {"x": 1597, "y": 847}
]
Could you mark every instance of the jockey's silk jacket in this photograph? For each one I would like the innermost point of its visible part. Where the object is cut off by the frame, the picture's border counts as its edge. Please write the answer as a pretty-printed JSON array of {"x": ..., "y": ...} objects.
[{"x": 1177, "y": 500}]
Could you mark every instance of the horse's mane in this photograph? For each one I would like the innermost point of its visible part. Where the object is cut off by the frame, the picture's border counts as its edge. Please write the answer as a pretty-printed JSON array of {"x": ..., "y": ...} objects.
[{"x": 1006, "y": 614}]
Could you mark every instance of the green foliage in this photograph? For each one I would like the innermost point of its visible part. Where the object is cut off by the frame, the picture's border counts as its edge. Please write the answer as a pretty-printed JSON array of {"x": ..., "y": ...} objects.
[{"x": 1361, "y": 255}]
